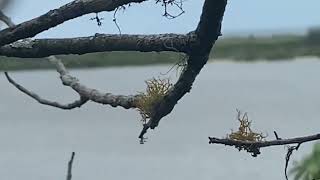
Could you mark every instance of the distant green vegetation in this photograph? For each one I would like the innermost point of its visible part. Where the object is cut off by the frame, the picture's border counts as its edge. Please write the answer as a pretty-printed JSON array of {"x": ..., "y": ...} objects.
[
  {"x": 107, "y": 59},
  {"x": 250, "y": 48},
  {"x": 269, "y": 48}
]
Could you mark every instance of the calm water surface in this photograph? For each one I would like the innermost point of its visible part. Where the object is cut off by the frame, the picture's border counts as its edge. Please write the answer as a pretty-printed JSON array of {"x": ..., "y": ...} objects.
[{"x": 36, "y": 141}]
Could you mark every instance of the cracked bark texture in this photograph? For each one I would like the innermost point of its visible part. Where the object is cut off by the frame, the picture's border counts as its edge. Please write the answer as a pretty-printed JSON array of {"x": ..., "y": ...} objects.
[{"x": 39, "y": 48}]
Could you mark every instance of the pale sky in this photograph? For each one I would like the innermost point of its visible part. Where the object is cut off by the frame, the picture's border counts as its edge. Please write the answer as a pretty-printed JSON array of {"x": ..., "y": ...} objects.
[{"x": 247, "y": 16}]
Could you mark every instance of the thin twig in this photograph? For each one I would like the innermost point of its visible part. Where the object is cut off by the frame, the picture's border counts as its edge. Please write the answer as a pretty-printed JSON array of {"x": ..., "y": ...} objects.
[
  {"x": 75, "y": 104},
  {"x": 115, "y": 19},
  {"x": 289, "y": 153}
]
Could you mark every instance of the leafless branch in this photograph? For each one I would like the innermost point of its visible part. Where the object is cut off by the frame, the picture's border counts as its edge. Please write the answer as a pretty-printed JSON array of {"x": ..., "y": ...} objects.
[
  {"x": 75, "y": 104},
  {"x": 55, "y": 17},
  {"x": 92, "y": 94},
  {"x": 289, "y": 153},
  {"x": 70, "y": 163},
  {"x": 84, "y": 92},
  {"x": 254, "y": 147},
  {"x": 99, "y": 43},
  {"x": 262, "y": 144}
]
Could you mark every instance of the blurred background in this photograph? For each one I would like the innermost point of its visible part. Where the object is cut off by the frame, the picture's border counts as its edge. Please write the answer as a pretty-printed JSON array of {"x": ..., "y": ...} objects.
[{"x": 266, "y": 63}]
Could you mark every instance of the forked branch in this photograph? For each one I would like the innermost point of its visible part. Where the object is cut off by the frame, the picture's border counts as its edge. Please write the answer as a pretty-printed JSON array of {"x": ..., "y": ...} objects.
[
  {"x": 207, "y": 32},
  {"x": 84, "y": 92},
  {"x": 75, "y": 104}
]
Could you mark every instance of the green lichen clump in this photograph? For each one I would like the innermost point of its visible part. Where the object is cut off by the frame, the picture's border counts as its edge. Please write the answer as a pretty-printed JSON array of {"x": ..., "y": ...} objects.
[
  {"x": 244, "y": 132},
  {"x": 156, "y": 90}
]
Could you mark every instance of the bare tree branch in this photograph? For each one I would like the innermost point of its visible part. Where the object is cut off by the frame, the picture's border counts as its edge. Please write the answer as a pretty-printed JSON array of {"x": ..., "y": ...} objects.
[
  {"x": 254, "y": 146},
  {"x": 99, "y": 43},
  {"x": 297, "y": 140},
  {"x": 288, "y": 155},
  {"x": 84, "y": 92},
  {"x": 92, "y": 94},
  {"x": 70, "y": 163},
  {"x": 75, "y": 104},
  {"x": 206, "y": 34},
  {"x": 55, "y": 17}
]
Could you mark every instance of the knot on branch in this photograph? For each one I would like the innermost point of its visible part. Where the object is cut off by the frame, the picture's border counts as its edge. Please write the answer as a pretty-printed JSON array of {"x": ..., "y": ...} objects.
[
  {"x": 147, "y": 101},
  {"x": 68, "y": 80}
]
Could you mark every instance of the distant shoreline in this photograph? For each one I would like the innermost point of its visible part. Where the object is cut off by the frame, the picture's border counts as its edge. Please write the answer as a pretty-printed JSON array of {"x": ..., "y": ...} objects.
[{"x": 233, "y": 49}]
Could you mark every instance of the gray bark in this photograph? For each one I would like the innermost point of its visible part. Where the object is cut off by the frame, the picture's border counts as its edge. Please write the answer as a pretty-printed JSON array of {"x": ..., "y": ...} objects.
[
  {"x": 55, "y": 17},
  {"x": 39, "y": 48}
]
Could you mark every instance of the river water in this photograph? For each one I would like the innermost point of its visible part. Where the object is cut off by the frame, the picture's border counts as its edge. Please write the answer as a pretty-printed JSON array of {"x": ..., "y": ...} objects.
[{"x": 36, "y": 141}]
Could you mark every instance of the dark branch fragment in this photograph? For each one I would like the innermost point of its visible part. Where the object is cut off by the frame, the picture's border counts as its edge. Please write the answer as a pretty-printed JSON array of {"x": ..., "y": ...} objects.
[
  {"x": 70, "y": 163},
  {"x": 289, "y": 153}
]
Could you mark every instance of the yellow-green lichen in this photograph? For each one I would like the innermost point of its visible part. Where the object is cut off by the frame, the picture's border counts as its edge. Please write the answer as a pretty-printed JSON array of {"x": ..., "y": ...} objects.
[
  {"x": 156, "y": 90},
  {"x": 244, "y": 132}
]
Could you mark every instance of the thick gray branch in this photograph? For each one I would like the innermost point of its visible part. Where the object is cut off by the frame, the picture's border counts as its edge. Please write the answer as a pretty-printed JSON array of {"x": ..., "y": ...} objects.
[
  {"x": 92, "y": 94},
  {"x": 99, "y": 43},
  {"x": 55, "y": 17}
]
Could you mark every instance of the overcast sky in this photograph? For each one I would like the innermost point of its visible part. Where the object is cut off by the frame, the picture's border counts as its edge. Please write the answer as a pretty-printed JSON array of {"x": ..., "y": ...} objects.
[{"x": 241, "y": 16}]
